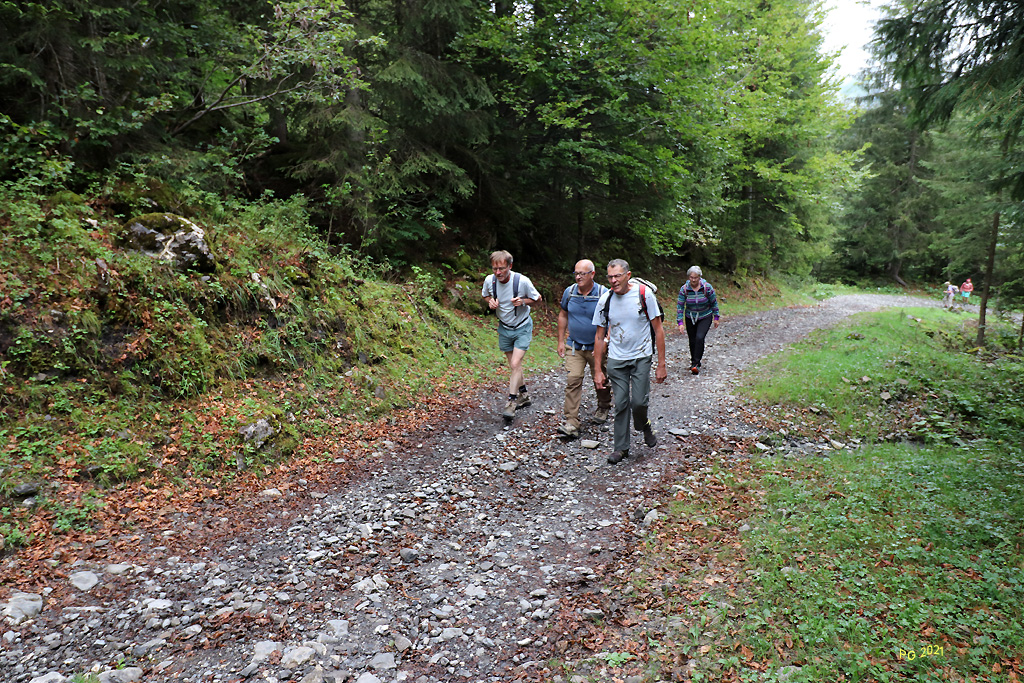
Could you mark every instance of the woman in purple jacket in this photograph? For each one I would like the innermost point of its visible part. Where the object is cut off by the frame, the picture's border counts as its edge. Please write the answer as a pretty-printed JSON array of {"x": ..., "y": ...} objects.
[{"x": 696, "y": 309}]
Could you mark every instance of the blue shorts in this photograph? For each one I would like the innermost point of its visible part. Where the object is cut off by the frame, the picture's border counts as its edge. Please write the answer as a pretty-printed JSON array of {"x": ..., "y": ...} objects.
[{"x": 519, "y": 338}]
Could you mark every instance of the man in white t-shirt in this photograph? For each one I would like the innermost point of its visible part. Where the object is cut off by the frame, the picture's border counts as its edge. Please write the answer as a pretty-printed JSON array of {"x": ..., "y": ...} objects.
[
  {"x": 625, "y": 334},
  {"x": 510, "y": 296}
]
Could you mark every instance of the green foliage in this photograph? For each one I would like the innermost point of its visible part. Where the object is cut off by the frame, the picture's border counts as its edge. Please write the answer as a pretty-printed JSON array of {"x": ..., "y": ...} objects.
[
  {"x": 15, "y": 534},
  {"x": 890, "y": 227},
  {"x": 898, "y": 374},
  {"x": 85, "y": 678},
  {"x": 75, "y": 517},
  {"x": 616, "y": 658},
  {"x": 427, "y": 283},
  {"x": 897, "y": 562},
  {"x": 634, "y": 128},
  {"x": 961, "y": 62},
  {"x": 96, "y": 84},
  {"x": 782, "y": 188},
  {"x": 27, "y": 155},
  {"x": 960, "y": 56}
]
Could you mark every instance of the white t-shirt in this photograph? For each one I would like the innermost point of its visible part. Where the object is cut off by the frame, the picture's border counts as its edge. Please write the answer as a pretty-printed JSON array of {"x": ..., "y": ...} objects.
[
  {"x": 509, "y": 315},
  {"x": 629, "y": 330}
]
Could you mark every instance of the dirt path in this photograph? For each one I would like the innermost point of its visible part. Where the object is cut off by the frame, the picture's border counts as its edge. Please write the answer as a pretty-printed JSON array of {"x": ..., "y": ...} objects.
[{"x": 452, "y": 562}]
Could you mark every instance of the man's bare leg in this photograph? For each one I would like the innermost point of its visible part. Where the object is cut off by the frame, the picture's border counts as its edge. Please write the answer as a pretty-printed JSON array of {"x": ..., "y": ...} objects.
[{"x": 515, "y": 367}]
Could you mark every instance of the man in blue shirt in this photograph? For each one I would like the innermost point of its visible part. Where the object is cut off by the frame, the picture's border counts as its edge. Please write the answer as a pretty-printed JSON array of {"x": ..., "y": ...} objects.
[{"x": 576, "y": 331}]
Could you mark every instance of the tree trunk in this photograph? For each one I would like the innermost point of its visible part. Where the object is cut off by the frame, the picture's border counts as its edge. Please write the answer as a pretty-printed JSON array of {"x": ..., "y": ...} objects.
[
  {"x": 894, "y": 272},
  {"x": 989, "y": 269},
  {"x": 579, "y": 224}
]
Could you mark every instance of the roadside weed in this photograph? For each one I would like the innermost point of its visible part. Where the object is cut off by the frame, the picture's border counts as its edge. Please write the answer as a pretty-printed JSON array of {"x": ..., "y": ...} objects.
[{"x": 898, "y": 374}]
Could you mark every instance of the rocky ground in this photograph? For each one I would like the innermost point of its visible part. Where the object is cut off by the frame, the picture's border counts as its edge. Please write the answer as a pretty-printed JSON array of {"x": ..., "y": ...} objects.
[{"x": 460, "y": 555}]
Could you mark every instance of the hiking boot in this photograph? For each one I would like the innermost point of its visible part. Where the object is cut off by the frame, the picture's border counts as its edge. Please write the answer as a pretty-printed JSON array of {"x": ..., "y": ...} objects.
[
  {"x": 649, "y": 438},
  {"x": 523, "y": 400},
  {"x": 600, "y": 416},
  {"x": 510, "y": 409},
  {"x": 617, "y": 456},
  {"x": 568, "y": 430}
]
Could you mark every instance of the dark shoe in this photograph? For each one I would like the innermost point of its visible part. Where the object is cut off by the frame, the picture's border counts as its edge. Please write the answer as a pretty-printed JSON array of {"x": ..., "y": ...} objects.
[
  {"x": 617, "y": 456},
  {"x": 568, "y": 430},
  {"x": 510, "y": 409},
  {"x": 600, "y": 416},
  {"x": 649, "y": 438},
  {"x": 523, "y": 400}
]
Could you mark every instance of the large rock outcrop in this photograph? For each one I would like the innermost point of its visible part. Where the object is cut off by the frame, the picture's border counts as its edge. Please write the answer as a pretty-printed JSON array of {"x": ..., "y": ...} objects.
[{"x": 169, "y": 237}]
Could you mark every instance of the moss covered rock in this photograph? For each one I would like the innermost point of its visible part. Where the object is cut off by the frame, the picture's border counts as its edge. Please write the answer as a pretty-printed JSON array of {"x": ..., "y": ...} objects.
[
  {"x": 465, "y": 296},
  {"x": 169, "y": 237}
]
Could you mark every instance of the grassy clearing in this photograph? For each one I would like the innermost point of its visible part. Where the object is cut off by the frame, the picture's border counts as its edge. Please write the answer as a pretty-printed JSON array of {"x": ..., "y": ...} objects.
[{"x": 900, "y": 561}]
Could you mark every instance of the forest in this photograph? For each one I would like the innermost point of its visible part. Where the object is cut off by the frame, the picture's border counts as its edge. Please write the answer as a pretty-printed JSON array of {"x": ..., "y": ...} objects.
[{"x": 413, "y": 131}]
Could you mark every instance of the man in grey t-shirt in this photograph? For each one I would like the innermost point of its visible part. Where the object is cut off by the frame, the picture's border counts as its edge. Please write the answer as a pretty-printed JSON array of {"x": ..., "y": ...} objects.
[
  {"x": 510, "y": 296},
  {"x": 628, "y": 328}
]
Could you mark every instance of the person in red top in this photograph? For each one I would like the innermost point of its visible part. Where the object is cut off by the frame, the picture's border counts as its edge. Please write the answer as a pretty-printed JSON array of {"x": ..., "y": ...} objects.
[{"x": 966, "y": 289}]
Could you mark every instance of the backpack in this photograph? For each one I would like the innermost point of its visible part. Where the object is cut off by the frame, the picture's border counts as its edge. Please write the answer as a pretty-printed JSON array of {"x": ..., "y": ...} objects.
[
  {"x": 515, "y": 293},
  {"x": 576, "y": 291},
  {"x": 643, "y": 305},
  {"x": 515, "y": 286}
]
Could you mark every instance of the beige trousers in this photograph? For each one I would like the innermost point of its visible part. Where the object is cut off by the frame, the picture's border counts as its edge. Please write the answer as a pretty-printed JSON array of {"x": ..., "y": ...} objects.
[{"x": 576, "y": 363}]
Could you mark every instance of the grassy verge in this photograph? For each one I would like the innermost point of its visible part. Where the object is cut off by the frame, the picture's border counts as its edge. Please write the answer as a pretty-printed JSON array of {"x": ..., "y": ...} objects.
[
  {"x": 889, "y": 563},
  {"x": 902, "y": 374},
  {"x": 902, "y": 560}
]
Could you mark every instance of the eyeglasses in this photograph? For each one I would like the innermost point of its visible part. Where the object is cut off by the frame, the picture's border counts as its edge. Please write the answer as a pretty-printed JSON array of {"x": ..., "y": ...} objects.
[
  {"x": 500, "y": 269},
  {"x": 579, "y": 274},
  {"x": 617, "y": 276}
]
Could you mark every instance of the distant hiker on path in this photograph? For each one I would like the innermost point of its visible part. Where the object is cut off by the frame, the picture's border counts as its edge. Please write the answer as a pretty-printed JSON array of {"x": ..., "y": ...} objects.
[
  {"x": 696, "y": 308},
  {"x": 576, "y": 332},
  {"x": 950, "y": 297},
  {"x": 630, "y": 318},
  {"x": 510, "y": 296},
  {"x": 966, "y": 289}
]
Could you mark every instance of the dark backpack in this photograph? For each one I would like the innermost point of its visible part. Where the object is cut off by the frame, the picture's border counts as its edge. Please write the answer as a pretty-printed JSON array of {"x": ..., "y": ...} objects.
[
  {"x": 515, "y": 286},
  {"x": 643, "y": 307},
  {"x": 515, "y": 292}
]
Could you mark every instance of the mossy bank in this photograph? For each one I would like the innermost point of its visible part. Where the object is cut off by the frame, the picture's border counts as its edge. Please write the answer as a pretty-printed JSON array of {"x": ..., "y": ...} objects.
[{"x": 125, "y": 357}]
